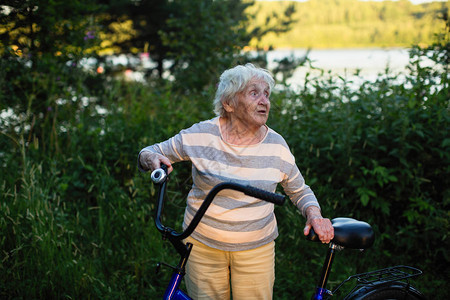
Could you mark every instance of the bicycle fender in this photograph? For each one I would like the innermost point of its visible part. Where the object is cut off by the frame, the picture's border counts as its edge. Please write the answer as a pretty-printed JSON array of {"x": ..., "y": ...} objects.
[{"x": 391, "y": 290}]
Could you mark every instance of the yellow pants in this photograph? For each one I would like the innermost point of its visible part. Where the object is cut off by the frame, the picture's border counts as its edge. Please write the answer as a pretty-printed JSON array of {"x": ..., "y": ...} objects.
[{"x": 210, "y": 272}]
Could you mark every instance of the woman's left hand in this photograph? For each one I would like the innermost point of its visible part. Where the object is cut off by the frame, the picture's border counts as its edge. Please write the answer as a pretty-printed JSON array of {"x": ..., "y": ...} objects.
[{"x": 322, "y": 226}]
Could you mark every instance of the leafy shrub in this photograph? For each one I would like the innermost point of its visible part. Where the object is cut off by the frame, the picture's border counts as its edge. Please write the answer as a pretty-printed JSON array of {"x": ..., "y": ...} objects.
[
  {"x": 76, "y": 215},
  {"x": 379, "y": 153}
]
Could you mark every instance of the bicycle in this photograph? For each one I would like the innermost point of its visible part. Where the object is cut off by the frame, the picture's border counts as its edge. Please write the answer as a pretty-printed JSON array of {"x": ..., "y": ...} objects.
[{"x": 388, "y": 283}]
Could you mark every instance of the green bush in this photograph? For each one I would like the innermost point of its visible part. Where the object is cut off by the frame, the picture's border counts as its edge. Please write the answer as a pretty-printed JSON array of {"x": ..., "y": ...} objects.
[
  {"x": 379, "y": 153},
  {"x": 76, "y": 215}
]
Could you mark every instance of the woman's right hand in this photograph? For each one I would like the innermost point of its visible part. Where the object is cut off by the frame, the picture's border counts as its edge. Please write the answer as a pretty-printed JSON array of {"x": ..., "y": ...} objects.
[{"x": 150, "y": 161}]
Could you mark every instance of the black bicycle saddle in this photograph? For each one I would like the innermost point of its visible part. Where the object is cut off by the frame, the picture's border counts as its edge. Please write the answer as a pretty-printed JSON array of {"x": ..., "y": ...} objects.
[{"x": 349, "y": 233}]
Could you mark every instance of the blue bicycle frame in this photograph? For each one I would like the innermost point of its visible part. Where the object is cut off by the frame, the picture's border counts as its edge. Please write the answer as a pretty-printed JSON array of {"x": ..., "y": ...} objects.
[
  {"x": 173, "y": 291},
  {"x": 159, "y": 177},
  {"x": 348, "y": 233}
]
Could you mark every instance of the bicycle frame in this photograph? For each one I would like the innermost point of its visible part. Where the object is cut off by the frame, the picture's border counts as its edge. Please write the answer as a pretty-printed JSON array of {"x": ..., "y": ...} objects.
[
  {"x": 159, "y": 177},
  {"x": 348, "y": 233}
]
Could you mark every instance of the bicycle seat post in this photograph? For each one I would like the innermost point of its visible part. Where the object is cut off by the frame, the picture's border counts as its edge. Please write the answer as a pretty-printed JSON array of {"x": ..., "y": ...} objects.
[{"x": 326, "y": 269}]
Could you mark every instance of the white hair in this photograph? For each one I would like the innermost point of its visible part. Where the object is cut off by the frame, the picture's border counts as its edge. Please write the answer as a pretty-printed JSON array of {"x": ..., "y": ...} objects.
[{"x": 234, "y": 81}]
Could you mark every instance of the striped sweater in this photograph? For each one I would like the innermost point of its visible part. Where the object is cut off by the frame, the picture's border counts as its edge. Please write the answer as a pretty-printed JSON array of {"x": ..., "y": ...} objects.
[{"x": 235, "y": 221}]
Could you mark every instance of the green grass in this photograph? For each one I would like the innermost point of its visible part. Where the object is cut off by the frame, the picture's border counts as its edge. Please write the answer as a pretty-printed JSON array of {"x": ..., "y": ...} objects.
[{"x": 76, "y": 216}]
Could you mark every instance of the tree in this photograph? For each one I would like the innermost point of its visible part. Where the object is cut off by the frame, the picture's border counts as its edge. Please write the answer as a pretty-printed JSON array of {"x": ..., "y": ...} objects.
[
  {"x": 198, "y": 38},
  {"x": 36, "y": 27},
  {"x": 148, "y": 18},
  {"x": 204, "y": 37}
]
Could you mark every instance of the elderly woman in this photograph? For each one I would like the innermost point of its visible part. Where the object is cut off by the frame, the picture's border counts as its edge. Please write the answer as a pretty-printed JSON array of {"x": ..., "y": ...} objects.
[{"x": 233, "y": 248}]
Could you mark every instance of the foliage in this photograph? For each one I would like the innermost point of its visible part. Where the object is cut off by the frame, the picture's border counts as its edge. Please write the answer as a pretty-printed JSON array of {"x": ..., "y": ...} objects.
[
  {"x": 134, "y": 26},
  {"x": 379, "y": 153},
  {"x": 204, "y": 39},
  {"x": 35, "y": 27},
  {"x": 76, "y": 215},
  {"x": 355, "y": 24},
  {"x": 194, "y": 40}
]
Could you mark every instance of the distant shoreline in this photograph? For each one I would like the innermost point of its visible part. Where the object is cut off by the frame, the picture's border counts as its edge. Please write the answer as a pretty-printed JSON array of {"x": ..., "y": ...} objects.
[
  {"x": 252, "y": 49},
  {"x": 327, "y": 24}
]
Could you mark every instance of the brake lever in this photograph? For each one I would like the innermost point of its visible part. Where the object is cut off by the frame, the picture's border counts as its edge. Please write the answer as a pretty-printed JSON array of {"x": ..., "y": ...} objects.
[{"x": 158, "y": 266}]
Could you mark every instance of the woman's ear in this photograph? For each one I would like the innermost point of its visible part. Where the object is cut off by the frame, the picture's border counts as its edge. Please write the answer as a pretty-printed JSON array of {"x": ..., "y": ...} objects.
[{"x": 228, "y": 108}]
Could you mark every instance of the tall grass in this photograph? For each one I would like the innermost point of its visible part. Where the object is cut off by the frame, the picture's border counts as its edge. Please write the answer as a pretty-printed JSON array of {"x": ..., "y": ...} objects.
[{"x": 76, "y": 215}]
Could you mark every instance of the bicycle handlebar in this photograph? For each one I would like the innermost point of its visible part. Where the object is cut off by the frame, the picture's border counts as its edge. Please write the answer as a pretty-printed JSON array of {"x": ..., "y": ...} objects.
[
  {"x": 159, "y": 176},
  {"x": 251, "y": 191}
]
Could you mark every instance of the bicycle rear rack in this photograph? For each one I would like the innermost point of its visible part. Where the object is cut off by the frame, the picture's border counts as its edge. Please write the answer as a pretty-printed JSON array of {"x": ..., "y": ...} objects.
[
  {"x": 387, "y": 275},
  {"x": 382, "y": 276}
]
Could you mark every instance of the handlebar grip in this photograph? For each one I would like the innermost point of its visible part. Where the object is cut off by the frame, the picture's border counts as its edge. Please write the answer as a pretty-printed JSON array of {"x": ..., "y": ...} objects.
[
  {"x": 312, "y": 236},
  {"x": 264, "y": 195}
]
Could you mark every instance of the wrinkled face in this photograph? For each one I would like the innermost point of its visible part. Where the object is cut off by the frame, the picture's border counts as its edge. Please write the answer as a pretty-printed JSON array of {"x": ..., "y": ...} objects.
[{"x": 252, "y": 105}]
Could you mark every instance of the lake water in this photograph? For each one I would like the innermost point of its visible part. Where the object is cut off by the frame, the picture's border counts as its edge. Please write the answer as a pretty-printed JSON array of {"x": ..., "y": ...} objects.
[
  {"x": 346, "y": 62},
  {"x": 342, "y": 62},
  {"x": 369, "y": 63}
]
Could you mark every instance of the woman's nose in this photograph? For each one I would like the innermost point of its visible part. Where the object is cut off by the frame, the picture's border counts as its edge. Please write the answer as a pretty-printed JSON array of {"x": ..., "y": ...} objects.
[{"x": 264, "y": 99}]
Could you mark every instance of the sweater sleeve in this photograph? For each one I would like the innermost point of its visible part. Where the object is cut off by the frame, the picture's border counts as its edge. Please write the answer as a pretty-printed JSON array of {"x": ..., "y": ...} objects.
[
  {"x": 298, "y": 191},
  {"x": 171, "y": 148}
]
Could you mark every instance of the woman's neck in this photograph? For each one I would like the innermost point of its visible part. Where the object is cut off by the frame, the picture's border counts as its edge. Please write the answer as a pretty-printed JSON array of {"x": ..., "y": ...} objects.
[{"x": 237, "y": 133}]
